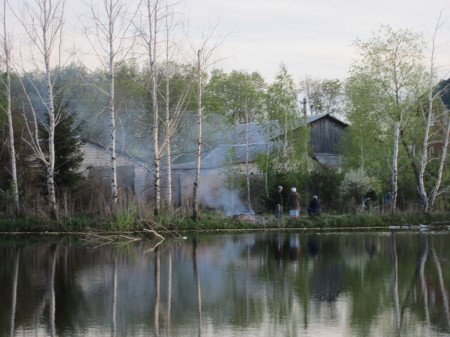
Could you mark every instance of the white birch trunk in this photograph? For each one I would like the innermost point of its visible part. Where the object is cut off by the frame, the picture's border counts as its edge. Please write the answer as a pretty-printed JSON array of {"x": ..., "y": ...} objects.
[
  {"x": 110, "y": 41},
  {"x": 247, "y": 171},
  {"x": 168, "y": 151},
  {"x": 434, "y": 193},
  {"x": 47, "y": 51},
  {"x": 152, "y": 26},
  {"x": 427, "y": 199},
  {"x": 47, "y": 21},
  {"x": 195, "y": 196},
  {"x": 12, "y": 149},
  {"x": 394, "y": 177},
  {"x": 424, "y": 157},
  {"x": 112, "y": 77},
  {"x": 266, "y": 174}
]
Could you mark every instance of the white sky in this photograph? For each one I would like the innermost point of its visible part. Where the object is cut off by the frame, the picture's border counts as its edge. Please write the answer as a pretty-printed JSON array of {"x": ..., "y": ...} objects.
[{"x": 312, "y": 37}]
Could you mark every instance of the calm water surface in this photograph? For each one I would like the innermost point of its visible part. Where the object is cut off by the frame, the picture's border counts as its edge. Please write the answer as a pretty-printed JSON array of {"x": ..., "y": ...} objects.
[{"x": 264, "y": 284}]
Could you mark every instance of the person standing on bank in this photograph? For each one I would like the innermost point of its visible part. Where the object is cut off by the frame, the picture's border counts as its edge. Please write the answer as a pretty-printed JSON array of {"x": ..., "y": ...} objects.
[
  {"x": 294, "y": 203},
  {"x": 278, "y": 202},
  {"x": 314, "y": 206}
]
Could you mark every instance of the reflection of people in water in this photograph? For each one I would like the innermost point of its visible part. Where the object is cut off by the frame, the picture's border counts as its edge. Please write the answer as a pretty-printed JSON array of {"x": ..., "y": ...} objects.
[
  {"x": 294, "y": 247},
  {"x": 313, "y": 247},
  {"x": 286, "y": 247}
]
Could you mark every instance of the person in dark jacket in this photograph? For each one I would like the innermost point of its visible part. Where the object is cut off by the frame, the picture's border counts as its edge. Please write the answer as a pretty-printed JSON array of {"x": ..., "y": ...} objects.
[
  {"x": 369, "y": 198},
  {"x": 294, "y": 203},
  {"x": 278, "y": 202},
  {"x": 314, "y": 206}
]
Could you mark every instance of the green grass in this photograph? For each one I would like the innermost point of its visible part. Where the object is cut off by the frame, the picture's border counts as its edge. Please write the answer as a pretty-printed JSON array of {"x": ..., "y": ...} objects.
[
  {"x": 366, "y": 220},
  {"x": 128, "y": 220}
]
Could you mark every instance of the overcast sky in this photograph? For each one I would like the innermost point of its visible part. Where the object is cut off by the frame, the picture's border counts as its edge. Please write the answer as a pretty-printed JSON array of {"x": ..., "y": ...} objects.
[{"x": 312, "y": 37}]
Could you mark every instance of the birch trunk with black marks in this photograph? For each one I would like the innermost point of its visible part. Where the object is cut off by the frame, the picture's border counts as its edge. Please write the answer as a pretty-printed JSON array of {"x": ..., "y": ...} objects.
[
  {"x": 12, "y": 150},
  {"x": 112, "y": 111},
  {"x": 428, "y": 198},
  {"x": 45, "y": 32},
  {"x": 111, "y": 41},
  {"x": 152, "y": 12},
  {"x": 195, "y": 194},
  {"x": 394, "y": 176},
  {"x": 167, "y": 123}
]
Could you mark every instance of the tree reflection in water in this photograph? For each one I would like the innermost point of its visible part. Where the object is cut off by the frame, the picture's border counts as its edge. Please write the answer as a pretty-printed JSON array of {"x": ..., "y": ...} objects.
[{"x": 272, "y": 283}]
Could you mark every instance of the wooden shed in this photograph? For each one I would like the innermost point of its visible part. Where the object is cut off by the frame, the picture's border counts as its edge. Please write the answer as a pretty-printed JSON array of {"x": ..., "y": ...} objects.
[{"x": 325, "y": 134}]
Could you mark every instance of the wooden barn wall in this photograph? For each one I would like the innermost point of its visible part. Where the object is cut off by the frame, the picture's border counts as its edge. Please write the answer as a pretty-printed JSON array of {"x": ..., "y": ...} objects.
[{"x": 325, "y": 136}]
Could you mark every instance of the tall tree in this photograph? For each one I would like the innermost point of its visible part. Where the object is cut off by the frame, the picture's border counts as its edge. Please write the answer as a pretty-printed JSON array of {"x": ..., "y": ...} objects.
[
  {"x": 44, "y": 27},
  {"x": 195, "y": 189},
  {"x": 392, "y": 62},
  {"x": 434, "y": 123},
  {"x": 111, "y": 41},
  {"x": 6, "y": 48},
  {"x": 288, "y": 160},
  {"x": 282, "y": 102},
  {"x": 204, "y": 55},
  {"x": 239, "y": 96},
  {"x": 69, "y": 157},
  {"x": 168, "y": 99}
]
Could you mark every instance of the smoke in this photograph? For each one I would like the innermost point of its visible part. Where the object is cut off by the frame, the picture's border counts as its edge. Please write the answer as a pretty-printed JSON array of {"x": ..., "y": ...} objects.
[{"x": 224, "y": 199}]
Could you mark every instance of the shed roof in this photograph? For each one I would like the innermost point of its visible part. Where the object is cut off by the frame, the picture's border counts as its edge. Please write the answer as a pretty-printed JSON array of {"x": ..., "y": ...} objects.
[{"x": 261, "y": 132}]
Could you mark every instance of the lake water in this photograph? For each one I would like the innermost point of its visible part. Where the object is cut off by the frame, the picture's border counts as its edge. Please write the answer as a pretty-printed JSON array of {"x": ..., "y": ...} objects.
[{"x": 258, "y": 284}]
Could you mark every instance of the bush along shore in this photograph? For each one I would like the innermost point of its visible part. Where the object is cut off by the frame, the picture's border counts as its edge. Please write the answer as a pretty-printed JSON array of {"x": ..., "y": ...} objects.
[{"x": 216, "y": 221}]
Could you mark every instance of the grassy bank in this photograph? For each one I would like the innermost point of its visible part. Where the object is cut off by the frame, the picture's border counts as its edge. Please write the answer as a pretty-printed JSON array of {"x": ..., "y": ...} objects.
[{"x": 124, "y": 221}]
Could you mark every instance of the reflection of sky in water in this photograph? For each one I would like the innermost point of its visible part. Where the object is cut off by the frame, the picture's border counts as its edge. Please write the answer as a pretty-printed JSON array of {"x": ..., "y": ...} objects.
[{"x": 268, "y": 284}]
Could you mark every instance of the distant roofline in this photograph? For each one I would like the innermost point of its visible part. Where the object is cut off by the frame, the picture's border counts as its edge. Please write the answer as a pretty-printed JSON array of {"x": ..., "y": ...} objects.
[{"x": 314, "y": 118}]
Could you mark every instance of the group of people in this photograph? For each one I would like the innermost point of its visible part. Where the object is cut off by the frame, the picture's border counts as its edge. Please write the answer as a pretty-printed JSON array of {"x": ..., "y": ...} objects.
[{"x": 294, "y": 204}]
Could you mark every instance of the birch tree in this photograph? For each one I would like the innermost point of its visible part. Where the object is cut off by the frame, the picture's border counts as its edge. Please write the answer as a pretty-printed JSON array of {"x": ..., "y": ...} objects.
[
  {"x": 282, "y": 103},
  {"x": 434, "y": 116},
  {"x": 204, "y": 61},
  {"x": 392, "y": 62},
  {"x": 44, "y": 27},
  {"x": 166, "y": 107},
  {"x": 112, "y": 41},
  {"x": 6, "y": 48},
  {"x": 153, "y": 11},
  {"x": 195, "y": 196}
]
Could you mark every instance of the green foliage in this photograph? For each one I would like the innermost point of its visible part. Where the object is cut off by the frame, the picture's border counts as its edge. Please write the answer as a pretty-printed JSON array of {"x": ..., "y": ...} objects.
[
  {"x": 237, "y": 96},
  {"x": 68, "y": 153},
  {"x": 354, "y": 184},
  {"x": 353, "y": 187},
  {"x": 325, "y": 183},
  {"x": 282, "y": 98},
  {"x": 125, "y": 219},
  {"x": 384, "y": 85}
]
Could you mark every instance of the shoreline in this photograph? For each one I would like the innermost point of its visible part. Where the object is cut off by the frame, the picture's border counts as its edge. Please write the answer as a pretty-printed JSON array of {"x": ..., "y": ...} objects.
[{"x": 216, "y": 222}]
